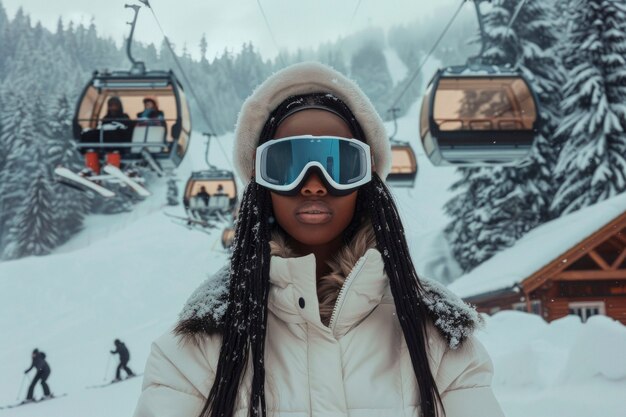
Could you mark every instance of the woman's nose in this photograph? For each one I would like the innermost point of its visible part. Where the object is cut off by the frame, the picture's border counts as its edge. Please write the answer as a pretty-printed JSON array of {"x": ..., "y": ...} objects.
[{"x": 313, "y": 186}]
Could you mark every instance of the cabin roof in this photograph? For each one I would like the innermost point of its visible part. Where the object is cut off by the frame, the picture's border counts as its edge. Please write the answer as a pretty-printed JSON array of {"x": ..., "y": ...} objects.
[{"x": 542, "y": 246}]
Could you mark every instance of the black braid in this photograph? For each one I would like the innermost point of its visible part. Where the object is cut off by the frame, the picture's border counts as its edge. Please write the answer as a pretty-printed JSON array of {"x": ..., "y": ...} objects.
[
  {"x": 245, "y": 320},
  {"x": 405, "y": 286}
]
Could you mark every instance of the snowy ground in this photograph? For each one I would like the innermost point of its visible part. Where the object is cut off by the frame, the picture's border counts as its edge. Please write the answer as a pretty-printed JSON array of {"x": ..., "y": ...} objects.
[
  {"x": 127, "y": 276},
  {"x": 565, "y": 368}
]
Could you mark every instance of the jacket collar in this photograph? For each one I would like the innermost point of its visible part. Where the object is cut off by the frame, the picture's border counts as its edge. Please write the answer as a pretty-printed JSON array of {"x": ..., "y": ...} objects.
[
  {"x": 293, "y": 293},
  {"x": 293, "y": 278}
]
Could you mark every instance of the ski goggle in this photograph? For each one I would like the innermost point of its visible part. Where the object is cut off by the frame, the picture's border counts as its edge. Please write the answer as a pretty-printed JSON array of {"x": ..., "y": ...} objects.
[{"x": 342, "y": 164}]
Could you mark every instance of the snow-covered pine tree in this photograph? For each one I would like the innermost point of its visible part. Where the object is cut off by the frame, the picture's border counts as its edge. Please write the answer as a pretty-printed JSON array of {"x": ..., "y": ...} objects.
[
  {"x": 249, "y": 70},
  {"x": 35, "y": 230},
  {"x": 4, "y": 27},
  {"x": 223, "y": 96},
  {"x": 204, "y": 47},
  {"x": 512, "y": 200},
  {"x": 18, "y": 142},
  {"x": 369, "y": 69},
  {"x": 592, "y": 163},
  {"x": 72, "y": 205},
  {"x": 331, "y": 55}
]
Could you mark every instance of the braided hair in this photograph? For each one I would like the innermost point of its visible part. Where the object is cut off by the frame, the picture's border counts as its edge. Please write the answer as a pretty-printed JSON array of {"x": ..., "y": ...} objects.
[{"x": 245, "y": 320}]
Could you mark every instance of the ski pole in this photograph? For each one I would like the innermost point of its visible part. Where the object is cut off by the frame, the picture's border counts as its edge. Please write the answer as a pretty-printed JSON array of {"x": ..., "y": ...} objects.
[
  {"x": 106, "y": 371},
  {"x": 21, "y": 386}
]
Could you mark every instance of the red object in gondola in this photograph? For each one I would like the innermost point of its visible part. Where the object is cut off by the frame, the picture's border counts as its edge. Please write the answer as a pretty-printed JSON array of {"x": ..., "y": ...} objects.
[
  {"x": 92, "y": 161},
  {"x": 114, "y": 158}
]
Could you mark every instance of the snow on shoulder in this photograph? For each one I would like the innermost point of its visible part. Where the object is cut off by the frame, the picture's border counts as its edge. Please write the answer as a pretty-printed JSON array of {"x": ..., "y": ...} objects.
[
  {"x": 204, "y": 312},
  {"x": 537, "y": 248}
]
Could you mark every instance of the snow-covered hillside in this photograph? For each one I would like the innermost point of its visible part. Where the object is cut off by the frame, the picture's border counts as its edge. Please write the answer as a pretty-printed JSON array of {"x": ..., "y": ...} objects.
[{"x": 127, "y": 276}]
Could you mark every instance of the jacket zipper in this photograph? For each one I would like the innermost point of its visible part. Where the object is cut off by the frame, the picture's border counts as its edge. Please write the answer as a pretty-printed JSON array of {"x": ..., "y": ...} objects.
[{"x": 344, "y": 289}]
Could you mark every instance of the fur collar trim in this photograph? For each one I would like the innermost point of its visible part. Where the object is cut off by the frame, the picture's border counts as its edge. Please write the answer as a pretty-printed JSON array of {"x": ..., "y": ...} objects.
[{"x": 452, "y": 317}]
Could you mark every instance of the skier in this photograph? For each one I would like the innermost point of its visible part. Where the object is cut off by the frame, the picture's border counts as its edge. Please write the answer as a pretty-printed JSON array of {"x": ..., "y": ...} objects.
[
  {"x": 43, "y": 372},
  {"x": 122, "y": 350},
  {"x": 320, "y": 310}
]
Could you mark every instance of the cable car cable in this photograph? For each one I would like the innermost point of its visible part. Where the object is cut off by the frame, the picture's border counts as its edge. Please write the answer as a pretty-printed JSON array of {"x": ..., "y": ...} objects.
[
  {"x": 515, "y": 14},
  {"x": 269, "y": 28},
  {"x": 356, "y": 9},
  {"x": 508, "y": 27},
  {"x": 478, "y": 58},
  {"x": 190, "y": 85},
  {"x": 394, "y": 113},
  {"x": 432, "y": 49}
]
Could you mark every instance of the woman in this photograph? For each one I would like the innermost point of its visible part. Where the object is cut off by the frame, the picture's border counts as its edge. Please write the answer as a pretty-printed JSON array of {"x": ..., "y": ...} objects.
[
  {"x": 320, "y": 312},
  {"x": 117, "y": 126},
  {"x": 151, "y": 110},
  {"x": 115, "y": 112}
]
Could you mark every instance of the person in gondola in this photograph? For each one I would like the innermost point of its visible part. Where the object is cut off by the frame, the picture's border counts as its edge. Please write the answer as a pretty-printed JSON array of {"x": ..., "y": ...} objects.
[
  {"x": 116, "y": 124},
  {"x": 151, "y": 115},
  {"x": 43, "y": 372},
  {"x": 221, "y": 201},
  {"x": 203, "y": 195},
  {"x": 115, "y": 112},
  {"x": 220, "y": 190},
  {"x": 199, "y": 205},
  {"x": 319, "y": 310},
  {"x": 122, "y": 350}
]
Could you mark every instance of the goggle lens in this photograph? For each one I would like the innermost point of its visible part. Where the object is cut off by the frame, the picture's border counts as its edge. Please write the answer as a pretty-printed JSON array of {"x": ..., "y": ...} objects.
[{"x": 343, "y": 160}]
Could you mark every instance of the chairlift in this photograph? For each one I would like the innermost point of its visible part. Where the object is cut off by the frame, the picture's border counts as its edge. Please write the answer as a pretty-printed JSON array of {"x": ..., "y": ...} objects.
[
  {"x": 479, "y": 115},
  {"x": 139, "y": 136},
  {"x": 210, "y": 193},
  {"x": 164, "y": 140},
  {"x": 403, "y": 160},
  {"x": 403, "y": 165}
]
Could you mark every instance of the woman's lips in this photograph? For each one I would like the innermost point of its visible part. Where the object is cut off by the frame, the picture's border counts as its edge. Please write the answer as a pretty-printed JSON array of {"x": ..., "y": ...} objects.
[{"x": 314, "y": 212}]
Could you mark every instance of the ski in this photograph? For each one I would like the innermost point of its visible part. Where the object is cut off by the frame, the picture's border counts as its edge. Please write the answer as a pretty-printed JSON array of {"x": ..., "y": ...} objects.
[
  {"x": 71, "y": 178},
  {"x": 40, "y": 400},
  {"x": 152, "y": 163},
  {"x": 191, "y": 221},
  {"x": 107, "y": 384},
  {"x": 115, "y": 172}
]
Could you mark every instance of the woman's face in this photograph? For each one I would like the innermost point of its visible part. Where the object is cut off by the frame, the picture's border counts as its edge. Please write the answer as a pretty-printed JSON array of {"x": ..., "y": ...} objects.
[
  {"x": 114, "y": 106},
  {"x": 313, "y": 217}
]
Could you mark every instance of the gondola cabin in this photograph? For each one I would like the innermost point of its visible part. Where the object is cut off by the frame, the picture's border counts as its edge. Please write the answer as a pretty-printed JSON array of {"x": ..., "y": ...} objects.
[
  {"x": 478, "y": 116},
  {"x": 403, "y": 165},
  {"x": 113, "y": 116},
  {"x": 210, "y": 192}
]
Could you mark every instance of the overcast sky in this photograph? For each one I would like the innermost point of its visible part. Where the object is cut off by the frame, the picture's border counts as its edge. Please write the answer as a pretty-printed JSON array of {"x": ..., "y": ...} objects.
[{"x": 228, "y": 24}]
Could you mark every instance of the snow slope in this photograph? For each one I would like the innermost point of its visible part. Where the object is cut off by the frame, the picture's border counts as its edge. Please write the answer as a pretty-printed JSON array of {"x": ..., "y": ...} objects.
[
  {"x": 397, "y": 69},
  {"x": 564, "y": 368}
]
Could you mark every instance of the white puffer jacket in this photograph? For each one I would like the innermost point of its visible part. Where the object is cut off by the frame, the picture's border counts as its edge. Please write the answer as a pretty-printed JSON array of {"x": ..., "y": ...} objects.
[{"x": 358, "y": 366}]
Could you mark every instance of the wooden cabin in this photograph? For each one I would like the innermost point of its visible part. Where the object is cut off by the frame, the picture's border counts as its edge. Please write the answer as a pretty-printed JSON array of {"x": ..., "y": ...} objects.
[{"x": 572, "y": 265}]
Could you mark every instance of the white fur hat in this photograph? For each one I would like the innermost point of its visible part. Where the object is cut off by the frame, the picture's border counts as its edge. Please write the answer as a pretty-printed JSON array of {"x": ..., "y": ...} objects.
[{"x": 298, "y": 79}]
